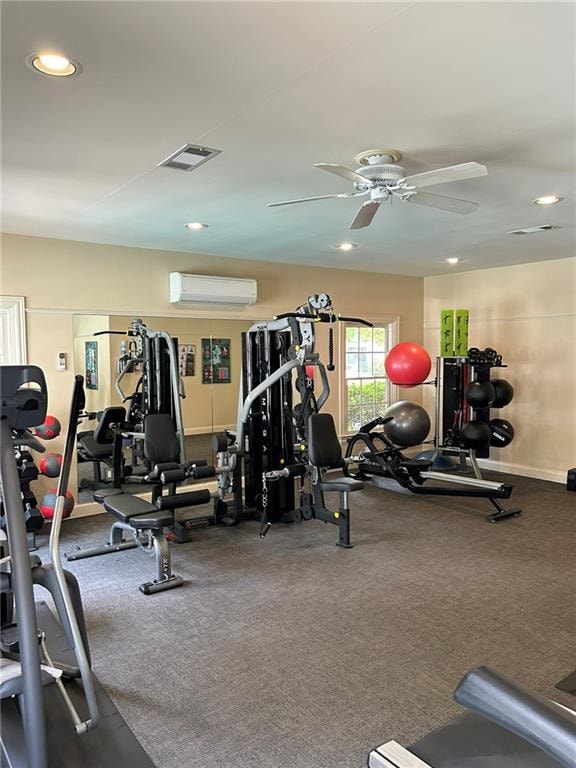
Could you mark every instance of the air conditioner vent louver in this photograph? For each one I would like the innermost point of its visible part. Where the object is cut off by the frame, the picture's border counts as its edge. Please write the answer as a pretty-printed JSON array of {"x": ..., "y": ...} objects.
[
  {"x": 532, "y": 230},
  {"x": 189, "y": 157}
]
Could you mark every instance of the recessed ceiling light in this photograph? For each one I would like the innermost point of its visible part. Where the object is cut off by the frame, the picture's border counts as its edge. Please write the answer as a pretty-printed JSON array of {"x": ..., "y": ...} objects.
[
  {"x": 452, "y": 259},
  {"x": 195, "y": 225},
  {"x": 547, "y": 200},
  {"x": 53, "y": 64},
  {"x": 345, "y": 246}
]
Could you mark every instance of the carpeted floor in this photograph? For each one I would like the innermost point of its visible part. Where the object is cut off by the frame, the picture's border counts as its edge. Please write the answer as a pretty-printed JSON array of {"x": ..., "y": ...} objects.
[{"x": 289, "y": 651}]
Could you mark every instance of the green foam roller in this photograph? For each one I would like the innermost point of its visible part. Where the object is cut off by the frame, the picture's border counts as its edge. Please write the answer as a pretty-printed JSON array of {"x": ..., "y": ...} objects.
[
  {"x": 462, "y": 318},
  {"x": 447, "y": 333}
]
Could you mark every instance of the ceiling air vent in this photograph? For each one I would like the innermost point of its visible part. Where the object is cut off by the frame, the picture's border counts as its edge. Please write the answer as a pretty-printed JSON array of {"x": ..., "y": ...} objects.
[
  {"x": 531, "y": 230},
  {"x": 189, "y": 157}
]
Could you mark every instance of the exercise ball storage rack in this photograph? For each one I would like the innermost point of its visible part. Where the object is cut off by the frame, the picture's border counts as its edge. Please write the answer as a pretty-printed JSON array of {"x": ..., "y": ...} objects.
[{"x": 453, "y": 374}]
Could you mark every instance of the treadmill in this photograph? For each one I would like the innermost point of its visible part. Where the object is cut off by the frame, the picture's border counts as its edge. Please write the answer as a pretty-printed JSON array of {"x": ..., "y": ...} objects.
[{"x": 507, "y": 726}]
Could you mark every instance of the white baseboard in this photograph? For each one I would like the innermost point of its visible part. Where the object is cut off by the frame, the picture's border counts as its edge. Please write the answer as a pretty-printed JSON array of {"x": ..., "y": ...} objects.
[
  {"x": 87, "y": 509},
  {"x": 554, "y": 475}
]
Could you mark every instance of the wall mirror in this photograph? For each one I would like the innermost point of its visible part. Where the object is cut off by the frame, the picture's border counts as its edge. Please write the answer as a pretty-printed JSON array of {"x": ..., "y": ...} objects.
[{"x": 209, "y": 358}]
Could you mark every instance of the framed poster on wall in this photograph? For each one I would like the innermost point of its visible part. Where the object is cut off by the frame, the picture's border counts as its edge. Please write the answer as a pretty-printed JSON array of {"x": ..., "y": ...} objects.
[
  {"x": 187, "y": 359},
  {"x": 216, "y": 361},
  {"x": 91, "y": 357}
]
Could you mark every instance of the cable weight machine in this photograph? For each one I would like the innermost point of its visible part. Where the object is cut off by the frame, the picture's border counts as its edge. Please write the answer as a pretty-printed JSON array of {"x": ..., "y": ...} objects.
[{"x": 277, "y": 397}]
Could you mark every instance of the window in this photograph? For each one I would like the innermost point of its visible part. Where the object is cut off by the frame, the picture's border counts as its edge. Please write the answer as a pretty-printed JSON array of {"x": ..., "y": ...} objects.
[
  {"x": 367, "y": 391},
  {"x": 12, "y": 331}
]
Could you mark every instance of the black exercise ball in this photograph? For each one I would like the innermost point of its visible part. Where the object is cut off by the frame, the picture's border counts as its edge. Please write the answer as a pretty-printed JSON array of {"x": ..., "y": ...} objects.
[
  {"x": 504, "y": 392},
  {"x": 410, "y": 424},
  {"x": 501, "y": 433},
  {"x": 476, "y": 434},
  {"x": 480, "y": 394}
]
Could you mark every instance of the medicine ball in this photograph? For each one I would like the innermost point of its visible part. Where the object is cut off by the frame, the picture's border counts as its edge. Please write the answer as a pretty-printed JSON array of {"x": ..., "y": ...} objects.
[
  {"x": 407, "y": 364},
  {"x": 48, "y": 503},
  {"x": 49, "y": 430},
  {"x": 50, "y": 464},
  {"x": 410, "y": 424},
  {"x": 480, "y": 394},
  {"x": 502, "y": 433},
  {"x": 504, "y": 392},
  {"x": 476, "y": 434}
]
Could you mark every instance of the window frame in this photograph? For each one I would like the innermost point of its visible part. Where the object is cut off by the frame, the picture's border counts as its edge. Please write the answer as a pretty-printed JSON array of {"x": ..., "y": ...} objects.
[
  {"x": 14, "y": 308},
  {"x": 392, "y": 326}
]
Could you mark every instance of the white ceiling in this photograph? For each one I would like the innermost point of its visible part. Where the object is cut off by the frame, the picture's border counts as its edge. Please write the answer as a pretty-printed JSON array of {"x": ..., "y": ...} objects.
[{"x": 278, "y": 87}]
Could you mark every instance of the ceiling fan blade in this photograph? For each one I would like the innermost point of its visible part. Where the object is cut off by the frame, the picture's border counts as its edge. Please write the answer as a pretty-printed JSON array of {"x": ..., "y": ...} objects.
[
  {"x": 443, "y": 175},
  {"x": 365, "y": 215},
  {"x": 451, "y": 204},
  {"x": 346, "y": 173},
  {"x": 309, "y": 199}
]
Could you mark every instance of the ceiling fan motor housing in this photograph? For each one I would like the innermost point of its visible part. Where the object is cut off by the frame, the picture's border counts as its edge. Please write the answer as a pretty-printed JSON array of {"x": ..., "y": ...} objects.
[{"x": 384, "y": 175}]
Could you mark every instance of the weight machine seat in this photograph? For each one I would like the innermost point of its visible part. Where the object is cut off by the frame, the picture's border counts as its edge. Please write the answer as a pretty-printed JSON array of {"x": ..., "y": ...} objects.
[
  {"x": 94, "y": 449},
  {"x": 341, "y": 484},
  {"x": 415, "y": 465}
]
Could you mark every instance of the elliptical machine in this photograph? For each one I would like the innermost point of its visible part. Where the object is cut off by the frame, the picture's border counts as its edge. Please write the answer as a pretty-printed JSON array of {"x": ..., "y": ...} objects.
[{"x": 46, "y": 680}]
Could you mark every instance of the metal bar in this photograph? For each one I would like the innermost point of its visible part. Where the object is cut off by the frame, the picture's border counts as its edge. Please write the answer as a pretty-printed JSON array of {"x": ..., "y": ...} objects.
[
  {"x": 32, "y": 701},
  {"x": 104, "y": 549},
  {"x": 78, "y": 402},
  {"x": 325, "y": 394},
  {"x": 128, "y": 369},
  {"x": 474, "y": 462},
  {"x": 256, "y": 392},
  {"x": 445, "y": 478}
]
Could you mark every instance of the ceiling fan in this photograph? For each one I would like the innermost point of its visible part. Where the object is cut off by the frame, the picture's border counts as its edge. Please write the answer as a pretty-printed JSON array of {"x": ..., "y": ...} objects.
[{"x": 379, "y": 177}]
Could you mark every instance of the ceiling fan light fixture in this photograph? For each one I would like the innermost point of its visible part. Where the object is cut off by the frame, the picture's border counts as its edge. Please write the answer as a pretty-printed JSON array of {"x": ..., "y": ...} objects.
[
  {"x": 453, "y": 260},
  {"x": 345, "y": 246},
  {"x": 547, "y": 200},
  {"x": 195, "y": 226}
]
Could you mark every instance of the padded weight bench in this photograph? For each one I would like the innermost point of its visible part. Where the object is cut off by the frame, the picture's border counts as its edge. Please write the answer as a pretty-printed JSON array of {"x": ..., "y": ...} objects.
[{"x": 146, "y": 524}]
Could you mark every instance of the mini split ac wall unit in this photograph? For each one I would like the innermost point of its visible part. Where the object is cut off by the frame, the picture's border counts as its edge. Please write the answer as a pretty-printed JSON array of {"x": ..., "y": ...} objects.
[{"x": 201, "y": 289}]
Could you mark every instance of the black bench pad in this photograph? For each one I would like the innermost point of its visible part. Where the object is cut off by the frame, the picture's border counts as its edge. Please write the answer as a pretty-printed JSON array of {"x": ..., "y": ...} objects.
[
  {"x": 103, "y": 493},
  {"x": 341, "y": 484},
  {"x": 155, "y": 520},
  {"x": 123, "y": 506}
]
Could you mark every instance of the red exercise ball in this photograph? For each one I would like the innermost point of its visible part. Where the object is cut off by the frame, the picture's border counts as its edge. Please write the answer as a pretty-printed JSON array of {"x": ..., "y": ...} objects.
[
  {"x": 50, "y": 464},
  {"x": 48, "y": 504},
  {"x": 49, "y": 430},
  {"x": 407, "y": 364}
]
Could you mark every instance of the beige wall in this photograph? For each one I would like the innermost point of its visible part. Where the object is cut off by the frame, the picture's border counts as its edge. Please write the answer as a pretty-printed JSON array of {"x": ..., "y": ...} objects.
[
  {"x": 526, "y": 312},
  {"x": 62, "y": 278},
  {"x": 84, "y": 328}
]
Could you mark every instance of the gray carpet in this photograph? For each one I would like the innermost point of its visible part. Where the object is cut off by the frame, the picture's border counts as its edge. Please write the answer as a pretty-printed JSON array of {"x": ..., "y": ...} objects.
[{"x": 289, "y": 651}]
